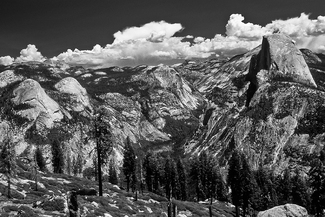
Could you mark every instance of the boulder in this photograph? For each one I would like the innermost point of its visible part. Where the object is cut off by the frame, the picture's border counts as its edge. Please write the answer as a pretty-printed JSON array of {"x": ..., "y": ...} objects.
[
  {"x": 38, "y": 105},
  {"x": 287, "y": 210},
  {"x": 78, "y": 95},
  {"x": 86, "y": 192}
]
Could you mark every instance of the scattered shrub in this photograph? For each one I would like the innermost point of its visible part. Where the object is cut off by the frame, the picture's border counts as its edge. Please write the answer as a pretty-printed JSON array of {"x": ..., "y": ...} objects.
[
  {"x": 89, "y": 173},
  {"x": 54, "y": 205}
]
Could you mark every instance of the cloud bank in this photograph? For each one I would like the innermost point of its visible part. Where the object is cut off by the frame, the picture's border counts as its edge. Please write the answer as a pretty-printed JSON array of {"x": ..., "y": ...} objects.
[{"x": 155, "y": 42}]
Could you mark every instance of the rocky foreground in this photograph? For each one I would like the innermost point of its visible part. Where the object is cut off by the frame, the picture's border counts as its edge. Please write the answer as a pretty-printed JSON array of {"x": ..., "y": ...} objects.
[{"x": 52, "y": 198}]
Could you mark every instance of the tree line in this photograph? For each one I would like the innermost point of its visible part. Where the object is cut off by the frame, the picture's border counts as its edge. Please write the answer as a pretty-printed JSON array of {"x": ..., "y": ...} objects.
[
  {"x": 200, "y": 178},
  {"x": 261, "y": 189}
]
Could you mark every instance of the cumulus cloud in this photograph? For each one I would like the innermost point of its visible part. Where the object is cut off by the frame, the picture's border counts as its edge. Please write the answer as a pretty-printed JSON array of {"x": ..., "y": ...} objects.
[
  {"x": 156, "y": 42},
  {"x": 6, "y": 60},
  {"x": 236, "y": 27},
  {"x": 198, "y": 39},
  {"x": 300, "y": 26},
  {"x": 30, "y": 53},
  {"x": 153, "y": 31}
]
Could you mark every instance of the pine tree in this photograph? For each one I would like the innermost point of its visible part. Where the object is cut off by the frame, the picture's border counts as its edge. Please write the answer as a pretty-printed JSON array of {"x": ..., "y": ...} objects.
[
  {"x": 168, "y": 178},
  {"x": 182, "y": 177},
  {"x": 57, "y": 157},
  {"x": 300, "y": 194},
  {"x": 249, "y": 184},
  {"x": 8, "y": 159},
  {"x": 112, "y": 173},
  {"x": 134, "y": 181},
  {"x": 286, "y": 187},
  {"x": 317, "y": 184},
  {"x": 175, "y": 180},
  {"x": 195, "y": 178},
  {"x": 129, "y": 165},
  {"x": 158, "y": 178},
  {"x": 40, "y": 159},
  {"x": 141, "y": 176},
  {"x": 104, "y": 145},
  {"x": 212, "y": 172},
  {"x": 234, "y": 180},
  {"x": 204, "y": 166},
  {"x": 263, "y": 197},
  {"x": 148, "y": 171},
  {"x": 222, "y": 190},
  {"x": 77, "y": 165}
]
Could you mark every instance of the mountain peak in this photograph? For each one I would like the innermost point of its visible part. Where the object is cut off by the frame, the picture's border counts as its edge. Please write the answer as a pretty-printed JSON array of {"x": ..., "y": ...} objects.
[{"x": 279, "y": 59}]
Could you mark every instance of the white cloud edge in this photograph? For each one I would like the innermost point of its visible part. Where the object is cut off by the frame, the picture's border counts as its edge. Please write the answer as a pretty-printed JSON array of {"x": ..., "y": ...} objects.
[{"x": 155, "y": 41}]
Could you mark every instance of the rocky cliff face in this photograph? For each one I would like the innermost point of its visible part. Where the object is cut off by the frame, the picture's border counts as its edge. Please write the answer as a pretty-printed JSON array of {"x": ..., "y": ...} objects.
[
  {"x": 265, "y": 103},
  {"x": 154, "y": 106},
  {"x": 268, "y": 102}
]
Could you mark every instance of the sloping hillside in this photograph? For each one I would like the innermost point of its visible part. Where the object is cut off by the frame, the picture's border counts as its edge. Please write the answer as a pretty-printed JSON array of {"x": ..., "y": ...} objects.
[{"x": 50, "y": 198}]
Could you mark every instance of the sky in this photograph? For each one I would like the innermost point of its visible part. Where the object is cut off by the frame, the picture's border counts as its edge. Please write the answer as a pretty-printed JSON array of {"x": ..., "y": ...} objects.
[{"x": 102, "y": 33}]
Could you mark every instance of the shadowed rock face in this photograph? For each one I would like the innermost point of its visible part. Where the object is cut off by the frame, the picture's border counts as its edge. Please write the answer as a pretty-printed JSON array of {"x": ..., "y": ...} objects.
[{"x": 153, "y": 106}]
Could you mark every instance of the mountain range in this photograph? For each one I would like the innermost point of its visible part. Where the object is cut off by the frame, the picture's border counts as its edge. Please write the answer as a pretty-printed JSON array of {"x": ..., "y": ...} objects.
[{"x": 268, "y": 103}]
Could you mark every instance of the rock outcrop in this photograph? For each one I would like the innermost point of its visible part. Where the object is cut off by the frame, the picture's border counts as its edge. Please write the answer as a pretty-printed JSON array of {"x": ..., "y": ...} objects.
[
  {"x": 78, "y": 97},
  {"x": 40, "y": 105},
  {"x": 263, "y": 103},
  {"x": 8, "y": 77},
  {"x": 287, "y": 210},
  {"x": 279, "y": 59}
]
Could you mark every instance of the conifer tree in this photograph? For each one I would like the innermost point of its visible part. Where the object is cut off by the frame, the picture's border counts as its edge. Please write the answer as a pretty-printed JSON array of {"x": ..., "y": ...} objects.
[
  {"x": 299, "y": 191},
  {"x": 168, "y": 178},
  {"x": 134, "y": 181},
  {"x": 129, "y": 165},
  {"x": 317, "y": 183},
  {"x": 8, "y": 159},
  {"x": 40, "y": 159},
  {"x": 182, "y": 177},
  {"x": 204, "y": 173},
  {"x": 222, "y": 190},
  {"x": 147, "y": 165},
  {"x": 264, "y": 198},
  {"x": 234, "y": 180},
  {"x": 112, "y": 176},
  {"x": 212, "y": 172},
  {"x": 175, "y": 185},
  {"x": 57, "y": 157},
  {"x": 158, "y": 177},
  {"x": 249, "y": 184},
  {"x": 172, "y": 187},
  {"x": 141, "y": 175},
  {"x": 104, "y": 145},
  {"x": 77, "y": 165},
  {"x": 195, "y": 177},
  {"x": 286, "y": 187}
]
